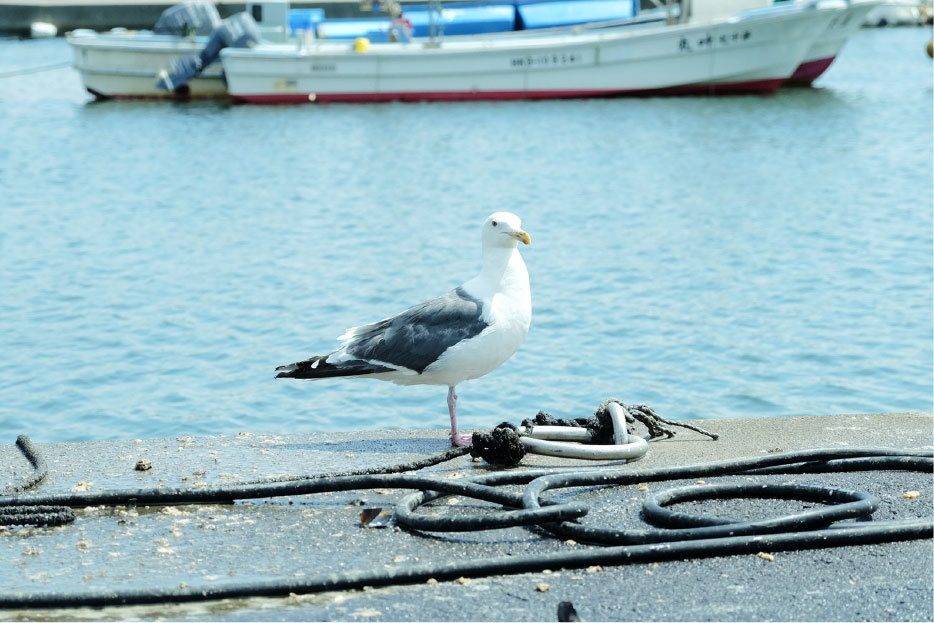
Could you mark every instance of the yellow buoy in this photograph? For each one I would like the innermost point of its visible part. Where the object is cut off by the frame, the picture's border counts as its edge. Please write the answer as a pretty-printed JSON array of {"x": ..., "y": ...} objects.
[
  {"x": 931, "y": 48},
  {"x": 361, "y": 44}
]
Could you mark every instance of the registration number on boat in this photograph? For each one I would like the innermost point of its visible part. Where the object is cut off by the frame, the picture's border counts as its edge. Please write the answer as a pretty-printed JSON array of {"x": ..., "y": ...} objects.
[{"x": 539, "y": 60}]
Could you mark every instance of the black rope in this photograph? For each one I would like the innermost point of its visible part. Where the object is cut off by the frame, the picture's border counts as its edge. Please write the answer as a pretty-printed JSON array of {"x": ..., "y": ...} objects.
[
  {"x": 227, "y": 494},
  {"x": 420, "y": 573},
  {"x": 33, "y": 515},
  {"x": 692, "y": 541},
  {"x": 566, "y": 612},
  {"x": 867, "y": 459},
  {"x": 39, "y": 466},
  {"x": 502, "y": 445},
  {"x": 601, "y": 426},
  {"x": 53, "y": 509},
  {"x": 411, "y": 466},
  {"x": 651, "y": 420}
]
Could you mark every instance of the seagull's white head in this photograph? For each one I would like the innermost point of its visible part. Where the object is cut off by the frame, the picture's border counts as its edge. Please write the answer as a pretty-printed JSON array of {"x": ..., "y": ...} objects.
[{"x": 504, "y": 229}]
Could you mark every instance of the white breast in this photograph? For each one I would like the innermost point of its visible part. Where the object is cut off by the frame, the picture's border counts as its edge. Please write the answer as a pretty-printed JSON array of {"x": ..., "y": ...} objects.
[{"x": 508, "y": 310}]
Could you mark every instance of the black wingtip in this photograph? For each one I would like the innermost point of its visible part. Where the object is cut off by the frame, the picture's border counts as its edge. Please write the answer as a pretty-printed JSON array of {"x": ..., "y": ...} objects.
[
  {"x": 318, "y": 368},
  {"x": 299, "y": 369}
]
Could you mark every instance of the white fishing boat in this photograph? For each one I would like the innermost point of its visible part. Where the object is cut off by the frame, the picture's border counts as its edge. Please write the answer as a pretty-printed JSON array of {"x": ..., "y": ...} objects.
[
  {"x": 180, "y": 62},
  {"x": 130, "y": 64},
  {"x": 828, "y": 43},
  {"x": 752, "y": 51},
  {"x": 169, "y": 62},
  {"x": 127, "y": 65}
]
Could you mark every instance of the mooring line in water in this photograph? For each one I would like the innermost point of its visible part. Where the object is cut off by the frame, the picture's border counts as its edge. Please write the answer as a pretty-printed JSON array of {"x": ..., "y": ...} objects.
[{"x": 26, "y": 71}]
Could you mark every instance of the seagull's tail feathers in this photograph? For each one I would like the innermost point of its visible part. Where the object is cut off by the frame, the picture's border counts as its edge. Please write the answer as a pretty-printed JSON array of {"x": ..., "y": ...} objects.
[{"x": 318, "y": 368}]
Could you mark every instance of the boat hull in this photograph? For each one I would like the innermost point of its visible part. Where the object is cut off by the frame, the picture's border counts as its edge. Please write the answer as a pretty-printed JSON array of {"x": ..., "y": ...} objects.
[
  {"x": 754, "y": 54},
  {"x": 128, "y": 65},
  {"x": 760, "y": 86},
  {"x": 828, "y": 44}
]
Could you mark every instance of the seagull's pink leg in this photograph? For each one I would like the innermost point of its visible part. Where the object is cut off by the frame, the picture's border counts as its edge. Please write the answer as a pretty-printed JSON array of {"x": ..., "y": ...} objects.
[{"x": 456, "y": 439}]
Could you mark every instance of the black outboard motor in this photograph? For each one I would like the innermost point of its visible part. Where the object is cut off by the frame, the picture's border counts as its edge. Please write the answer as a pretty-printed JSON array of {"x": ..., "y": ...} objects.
[
  {"x": 237, "y": 31},
  {"x": 192, "y": 18}
]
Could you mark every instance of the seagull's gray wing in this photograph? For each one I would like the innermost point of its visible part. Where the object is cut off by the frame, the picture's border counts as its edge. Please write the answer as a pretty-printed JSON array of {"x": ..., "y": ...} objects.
[{"x": 416, "y": 338}]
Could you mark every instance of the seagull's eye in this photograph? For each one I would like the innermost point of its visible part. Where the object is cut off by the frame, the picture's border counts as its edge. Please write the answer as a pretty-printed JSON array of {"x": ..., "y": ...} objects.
[{"x": 493, "y": 223}]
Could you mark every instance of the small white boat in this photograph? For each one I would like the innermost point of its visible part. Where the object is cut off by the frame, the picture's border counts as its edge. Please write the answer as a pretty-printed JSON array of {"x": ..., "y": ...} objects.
[
  {"x": 126, "y": 65},
  {"x": 42, "y": 30},
  {"x": 752, "y": 51}
]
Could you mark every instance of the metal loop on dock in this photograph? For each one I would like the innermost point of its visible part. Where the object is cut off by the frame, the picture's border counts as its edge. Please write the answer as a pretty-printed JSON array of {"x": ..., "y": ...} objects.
[{"x": 558, "y": 440}]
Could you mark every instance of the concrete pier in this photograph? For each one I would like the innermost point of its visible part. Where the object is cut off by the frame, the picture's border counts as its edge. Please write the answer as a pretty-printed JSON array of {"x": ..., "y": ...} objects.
[{"x": 209, "y": 545}]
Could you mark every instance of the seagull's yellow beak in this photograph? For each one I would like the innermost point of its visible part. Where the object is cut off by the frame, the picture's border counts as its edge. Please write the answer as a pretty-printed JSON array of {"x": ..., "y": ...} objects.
[{"x": 522, "y": 236}]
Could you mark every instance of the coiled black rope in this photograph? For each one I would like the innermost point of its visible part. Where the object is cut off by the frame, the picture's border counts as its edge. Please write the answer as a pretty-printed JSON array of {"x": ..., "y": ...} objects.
[
  {"x": 868, "y": 459},
  {"x": 692, "y": 541}
]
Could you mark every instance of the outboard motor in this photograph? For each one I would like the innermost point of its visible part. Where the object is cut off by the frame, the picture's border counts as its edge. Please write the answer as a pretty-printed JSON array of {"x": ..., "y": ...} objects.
[
  {"x": 237, "y": 31},
  {"x": 190, "y": 19}
]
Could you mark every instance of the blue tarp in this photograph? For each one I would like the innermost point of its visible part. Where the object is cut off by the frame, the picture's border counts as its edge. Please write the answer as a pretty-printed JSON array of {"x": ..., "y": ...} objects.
[
  {"x": 462, "y": 18},
  {"x": 468, "y": 18},
  {"x": 376, "y": 29},
  {"x": 304, "y": 19},
  {"x": 547, "y": 14}
]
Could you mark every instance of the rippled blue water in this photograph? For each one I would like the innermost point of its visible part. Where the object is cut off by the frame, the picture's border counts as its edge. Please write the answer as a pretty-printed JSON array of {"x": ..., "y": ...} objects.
[{"x": 712, "y": 257}]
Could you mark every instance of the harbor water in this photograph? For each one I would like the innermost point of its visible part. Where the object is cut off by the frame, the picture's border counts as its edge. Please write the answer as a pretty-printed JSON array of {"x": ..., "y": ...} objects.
[{"x": 711, "y": 257}]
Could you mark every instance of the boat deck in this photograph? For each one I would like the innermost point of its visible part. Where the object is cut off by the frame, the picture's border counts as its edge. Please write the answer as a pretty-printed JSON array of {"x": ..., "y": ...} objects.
[{"x": 17, "y": 15}]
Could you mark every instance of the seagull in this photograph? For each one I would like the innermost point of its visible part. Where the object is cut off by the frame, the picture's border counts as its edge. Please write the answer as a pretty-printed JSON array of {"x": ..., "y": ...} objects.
[{"x": 461, "y": 335}]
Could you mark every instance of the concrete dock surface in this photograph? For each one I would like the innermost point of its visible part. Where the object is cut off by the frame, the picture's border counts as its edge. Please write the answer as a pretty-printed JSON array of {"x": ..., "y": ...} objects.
[{"x": 301, "y": 536}]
